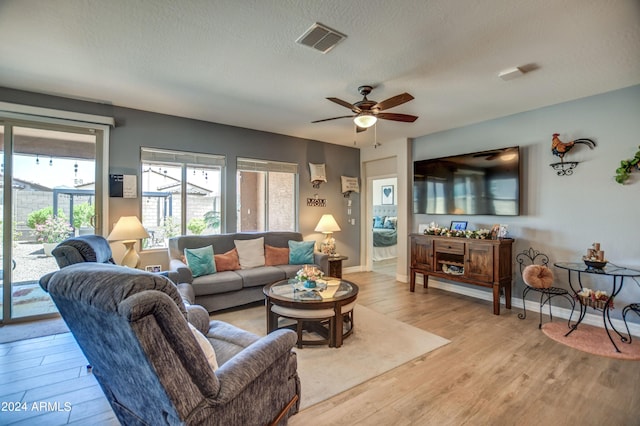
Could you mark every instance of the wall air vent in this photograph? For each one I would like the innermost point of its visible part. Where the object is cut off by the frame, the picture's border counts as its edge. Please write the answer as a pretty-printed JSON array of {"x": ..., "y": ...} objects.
[{"x": 321, "y": 38}]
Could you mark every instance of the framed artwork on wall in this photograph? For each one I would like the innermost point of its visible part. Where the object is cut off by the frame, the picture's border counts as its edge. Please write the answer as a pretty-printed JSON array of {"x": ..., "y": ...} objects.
[{"x": 387, "y": 194}]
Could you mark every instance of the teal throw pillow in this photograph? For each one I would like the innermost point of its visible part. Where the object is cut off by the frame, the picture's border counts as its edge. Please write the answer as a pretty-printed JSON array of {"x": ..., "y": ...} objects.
[
  {"x": 200, "y": 261},
  {"x": 378, "y": 221},
  {"x": 301, "y": 252}
]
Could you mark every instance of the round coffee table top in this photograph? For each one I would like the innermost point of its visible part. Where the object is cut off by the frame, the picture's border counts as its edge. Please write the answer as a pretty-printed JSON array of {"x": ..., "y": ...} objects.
[{"x": 291, "y": 292}]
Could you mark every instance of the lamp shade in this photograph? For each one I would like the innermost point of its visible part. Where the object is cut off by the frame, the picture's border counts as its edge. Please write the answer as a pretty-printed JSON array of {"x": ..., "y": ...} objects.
[
  {"x": 327, "y": 224},
  {"x": 365, "y": 120},
  {"x": 128, "y": 228}
]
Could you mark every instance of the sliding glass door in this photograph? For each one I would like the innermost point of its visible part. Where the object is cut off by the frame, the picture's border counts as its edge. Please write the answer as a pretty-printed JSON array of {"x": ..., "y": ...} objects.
[{"x": 51, "y": 190}]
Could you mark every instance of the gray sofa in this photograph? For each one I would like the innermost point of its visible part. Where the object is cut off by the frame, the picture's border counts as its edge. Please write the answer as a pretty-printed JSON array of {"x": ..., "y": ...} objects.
[{"x": 234, "y": 288}]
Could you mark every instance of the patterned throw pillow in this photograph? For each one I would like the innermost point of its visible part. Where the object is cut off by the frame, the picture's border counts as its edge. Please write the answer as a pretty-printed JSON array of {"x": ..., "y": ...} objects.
[
  {"x": 301, "y": 252},
  {"x": 200, "y": 261},
  {"x": 390, "y": 222},
  {"x": 276, "y": 255}
]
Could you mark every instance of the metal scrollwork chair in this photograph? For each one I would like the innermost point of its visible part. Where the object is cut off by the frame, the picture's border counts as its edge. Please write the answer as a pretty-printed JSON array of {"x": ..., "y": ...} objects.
[
  {"x": 538, "y": 277},
  {"x": 634, "y": 307}
]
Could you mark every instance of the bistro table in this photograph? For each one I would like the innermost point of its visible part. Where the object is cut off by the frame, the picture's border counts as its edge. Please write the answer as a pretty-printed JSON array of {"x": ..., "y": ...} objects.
[{"x": 617, "y": 274}]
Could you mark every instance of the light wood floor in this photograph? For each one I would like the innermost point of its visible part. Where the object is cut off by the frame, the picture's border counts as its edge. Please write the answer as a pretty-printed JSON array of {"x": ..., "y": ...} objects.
[{"x": 497, "y": 370}]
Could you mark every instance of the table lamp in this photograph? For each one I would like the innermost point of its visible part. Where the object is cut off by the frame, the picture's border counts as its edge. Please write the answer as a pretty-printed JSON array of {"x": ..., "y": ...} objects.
[
  {"x": 128, "y": 230},
  {"x": 328, "y": 226}
]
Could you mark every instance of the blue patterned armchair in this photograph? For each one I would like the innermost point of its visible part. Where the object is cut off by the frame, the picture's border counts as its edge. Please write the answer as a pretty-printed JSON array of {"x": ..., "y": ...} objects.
[{"x": 132, "y": 327}]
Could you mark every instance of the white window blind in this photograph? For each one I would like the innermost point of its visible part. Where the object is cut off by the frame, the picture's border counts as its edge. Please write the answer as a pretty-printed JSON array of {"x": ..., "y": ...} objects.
[
  {"x": 195, "y": 159},
  {"x": 252, "y": 165}
]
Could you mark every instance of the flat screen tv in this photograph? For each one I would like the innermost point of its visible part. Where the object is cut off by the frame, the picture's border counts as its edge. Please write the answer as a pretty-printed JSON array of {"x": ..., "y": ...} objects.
[{"x": 480, "y": 183}]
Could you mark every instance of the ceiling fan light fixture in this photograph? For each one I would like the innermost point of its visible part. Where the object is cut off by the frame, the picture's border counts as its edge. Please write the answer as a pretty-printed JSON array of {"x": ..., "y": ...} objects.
[{"x": 365, "y": 120}]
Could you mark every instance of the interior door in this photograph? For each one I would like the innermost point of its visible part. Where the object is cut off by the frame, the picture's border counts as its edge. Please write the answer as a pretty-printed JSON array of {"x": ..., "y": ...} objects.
[{"x": 51, "y": 191}]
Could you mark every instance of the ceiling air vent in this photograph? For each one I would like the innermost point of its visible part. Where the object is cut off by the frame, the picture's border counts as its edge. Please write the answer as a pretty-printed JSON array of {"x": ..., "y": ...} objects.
[{"x": 321, "y": 38}]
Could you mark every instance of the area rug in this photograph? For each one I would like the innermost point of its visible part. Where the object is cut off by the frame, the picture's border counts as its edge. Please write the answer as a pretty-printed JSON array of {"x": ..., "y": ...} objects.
[
  {"x": 377, "y": 345},
  {"x": 28, "y": 298},
  {"x": 593, "y": 340},
  {"x": 31, "y": 330}
]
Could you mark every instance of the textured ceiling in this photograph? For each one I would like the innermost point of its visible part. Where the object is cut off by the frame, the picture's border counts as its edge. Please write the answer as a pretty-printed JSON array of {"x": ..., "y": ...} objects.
[{"x": 236, "y": 61}]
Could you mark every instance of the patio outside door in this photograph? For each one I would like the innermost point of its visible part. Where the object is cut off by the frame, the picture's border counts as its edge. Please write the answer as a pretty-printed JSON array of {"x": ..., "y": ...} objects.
[{"x": 49, "y": 194}]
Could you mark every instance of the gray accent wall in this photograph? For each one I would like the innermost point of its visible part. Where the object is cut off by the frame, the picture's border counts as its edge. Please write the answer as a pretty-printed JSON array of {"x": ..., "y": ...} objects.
[
  {"x": 135, "y": 128},
  {"x": 563, "y": 215}
]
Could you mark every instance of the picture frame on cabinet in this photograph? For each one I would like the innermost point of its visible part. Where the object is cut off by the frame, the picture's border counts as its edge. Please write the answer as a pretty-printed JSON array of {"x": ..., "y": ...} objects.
[
  {"x": 495, "y": 229},
  {"x": 458, "y": 225},
  {"x": 153, "y": 268}
]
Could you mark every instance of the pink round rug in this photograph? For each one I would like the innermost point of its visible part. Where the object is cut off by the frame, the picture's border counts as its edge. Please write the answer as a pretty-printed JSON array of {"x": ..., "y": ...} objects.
[{"x": 593, "y": 340}]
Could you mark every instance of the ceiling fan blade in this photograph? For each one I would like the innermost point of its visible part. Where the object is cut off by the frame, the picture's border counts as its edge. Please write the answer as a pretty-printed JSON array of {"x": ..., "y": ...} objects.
[
  {"x": 333, "y": 118},
  {"x": 393, "y": 102},
  {"x": 345, "y": 104},
  {"x": 397, "y": 117}
]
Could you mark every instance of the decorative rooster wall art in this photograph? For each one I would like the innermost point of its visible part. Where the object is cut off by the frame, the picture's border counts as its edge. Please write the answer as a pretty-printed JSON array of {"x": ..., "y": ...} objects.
[{"x": 560, "y": 149}]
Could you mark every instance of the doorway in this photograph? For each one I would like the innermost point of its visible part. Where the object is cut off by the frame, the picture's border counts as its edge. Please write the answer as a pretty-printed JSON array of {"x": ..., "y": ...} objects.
[
  {"x": 51, "y": 190},
  {"x": 385, "y": 225}
]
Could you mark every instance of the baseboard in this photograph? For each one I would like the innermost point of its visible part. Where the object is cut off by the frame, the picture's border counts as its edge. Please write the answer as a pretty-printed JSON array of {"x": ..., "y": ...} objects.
[
  {"x": 590, "y": 318},
  {"x": 352, "y": 269}
]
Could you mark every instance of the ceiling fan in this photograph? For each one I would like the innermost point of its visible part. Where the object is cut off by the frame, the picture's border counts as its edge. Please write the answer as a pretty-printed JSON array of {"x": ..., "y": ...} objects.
[{"x": 368, "y": 112}]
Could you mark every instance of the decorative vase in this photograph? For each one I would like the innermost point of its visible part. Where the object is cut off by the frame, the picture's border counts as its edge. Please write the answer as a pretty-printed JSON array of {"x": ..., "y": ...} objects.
[
  {"x": 310, "y": 284},
  {"x": 48, "y": 247}
]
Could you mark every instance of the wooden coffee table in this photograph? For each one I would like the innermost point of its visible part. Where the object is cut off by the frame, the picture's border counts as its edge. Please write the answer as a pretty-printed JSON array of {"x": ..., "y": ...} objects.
[{"x": 287, "y": 294}]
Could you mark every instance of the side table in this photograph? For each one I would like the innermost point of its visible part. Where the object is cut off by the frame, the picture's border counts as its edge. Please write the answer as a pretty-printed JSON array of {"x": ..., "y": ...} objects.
[
  {"x": 617, "y": 274},
  {"x": 335, "y": 266}
]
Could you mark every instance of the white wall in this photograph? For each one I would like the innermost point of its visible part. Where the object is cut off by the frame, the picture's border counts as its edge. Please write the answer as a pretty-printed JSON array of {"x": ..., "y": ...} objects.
[{"x": 563, "y": 215}]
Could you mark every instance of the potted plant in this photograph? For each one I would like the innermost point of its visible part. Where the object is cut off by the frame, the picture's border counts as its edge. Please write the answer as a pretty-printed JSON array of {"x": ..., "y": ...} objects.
[
  {"x": 196, "y": 226},
  {"x": 82, "y": 218},
  {"x": 212, "y": 220},
  {"x": 53, "y": 231},
  {"x": 626, "y": 167}
]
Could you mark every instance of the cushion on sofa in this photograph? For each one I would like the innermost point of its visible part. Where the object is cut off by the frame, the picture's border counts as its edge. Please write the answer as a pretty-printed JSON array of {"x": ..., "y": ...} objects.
[
  {"x": 228, "y": 261},
  {"x": 200, "y": 261},
  {"x": 250, "y": 252},
  {"x": 206, "y": 347},
  {"x": 275, "y": 255},
  {"x": 290, "y": 271},
  {"x": 220, "y": 282},
  {"x": 301, "y": 252},
  {"x": 260, "y": 276}
]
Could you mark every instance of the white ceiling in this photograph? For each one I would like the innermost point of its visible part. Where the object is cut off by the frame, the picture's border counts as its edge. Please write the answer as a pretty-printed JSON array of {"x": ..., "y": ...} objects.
[{"x": 236, "y": 61}]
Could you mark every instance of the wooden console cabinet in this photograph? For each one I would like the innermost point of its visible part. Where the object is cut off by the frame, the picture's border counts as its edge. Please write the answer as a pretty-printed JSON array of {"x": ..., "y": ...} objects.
[{"x": 486, "y": 263}]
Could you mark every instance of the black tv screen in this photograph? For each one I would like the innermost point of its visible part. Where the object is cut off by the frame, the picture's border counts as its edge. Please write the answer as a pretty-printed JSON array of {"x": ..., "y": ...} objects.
[{"x": 481, "y": 183}]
